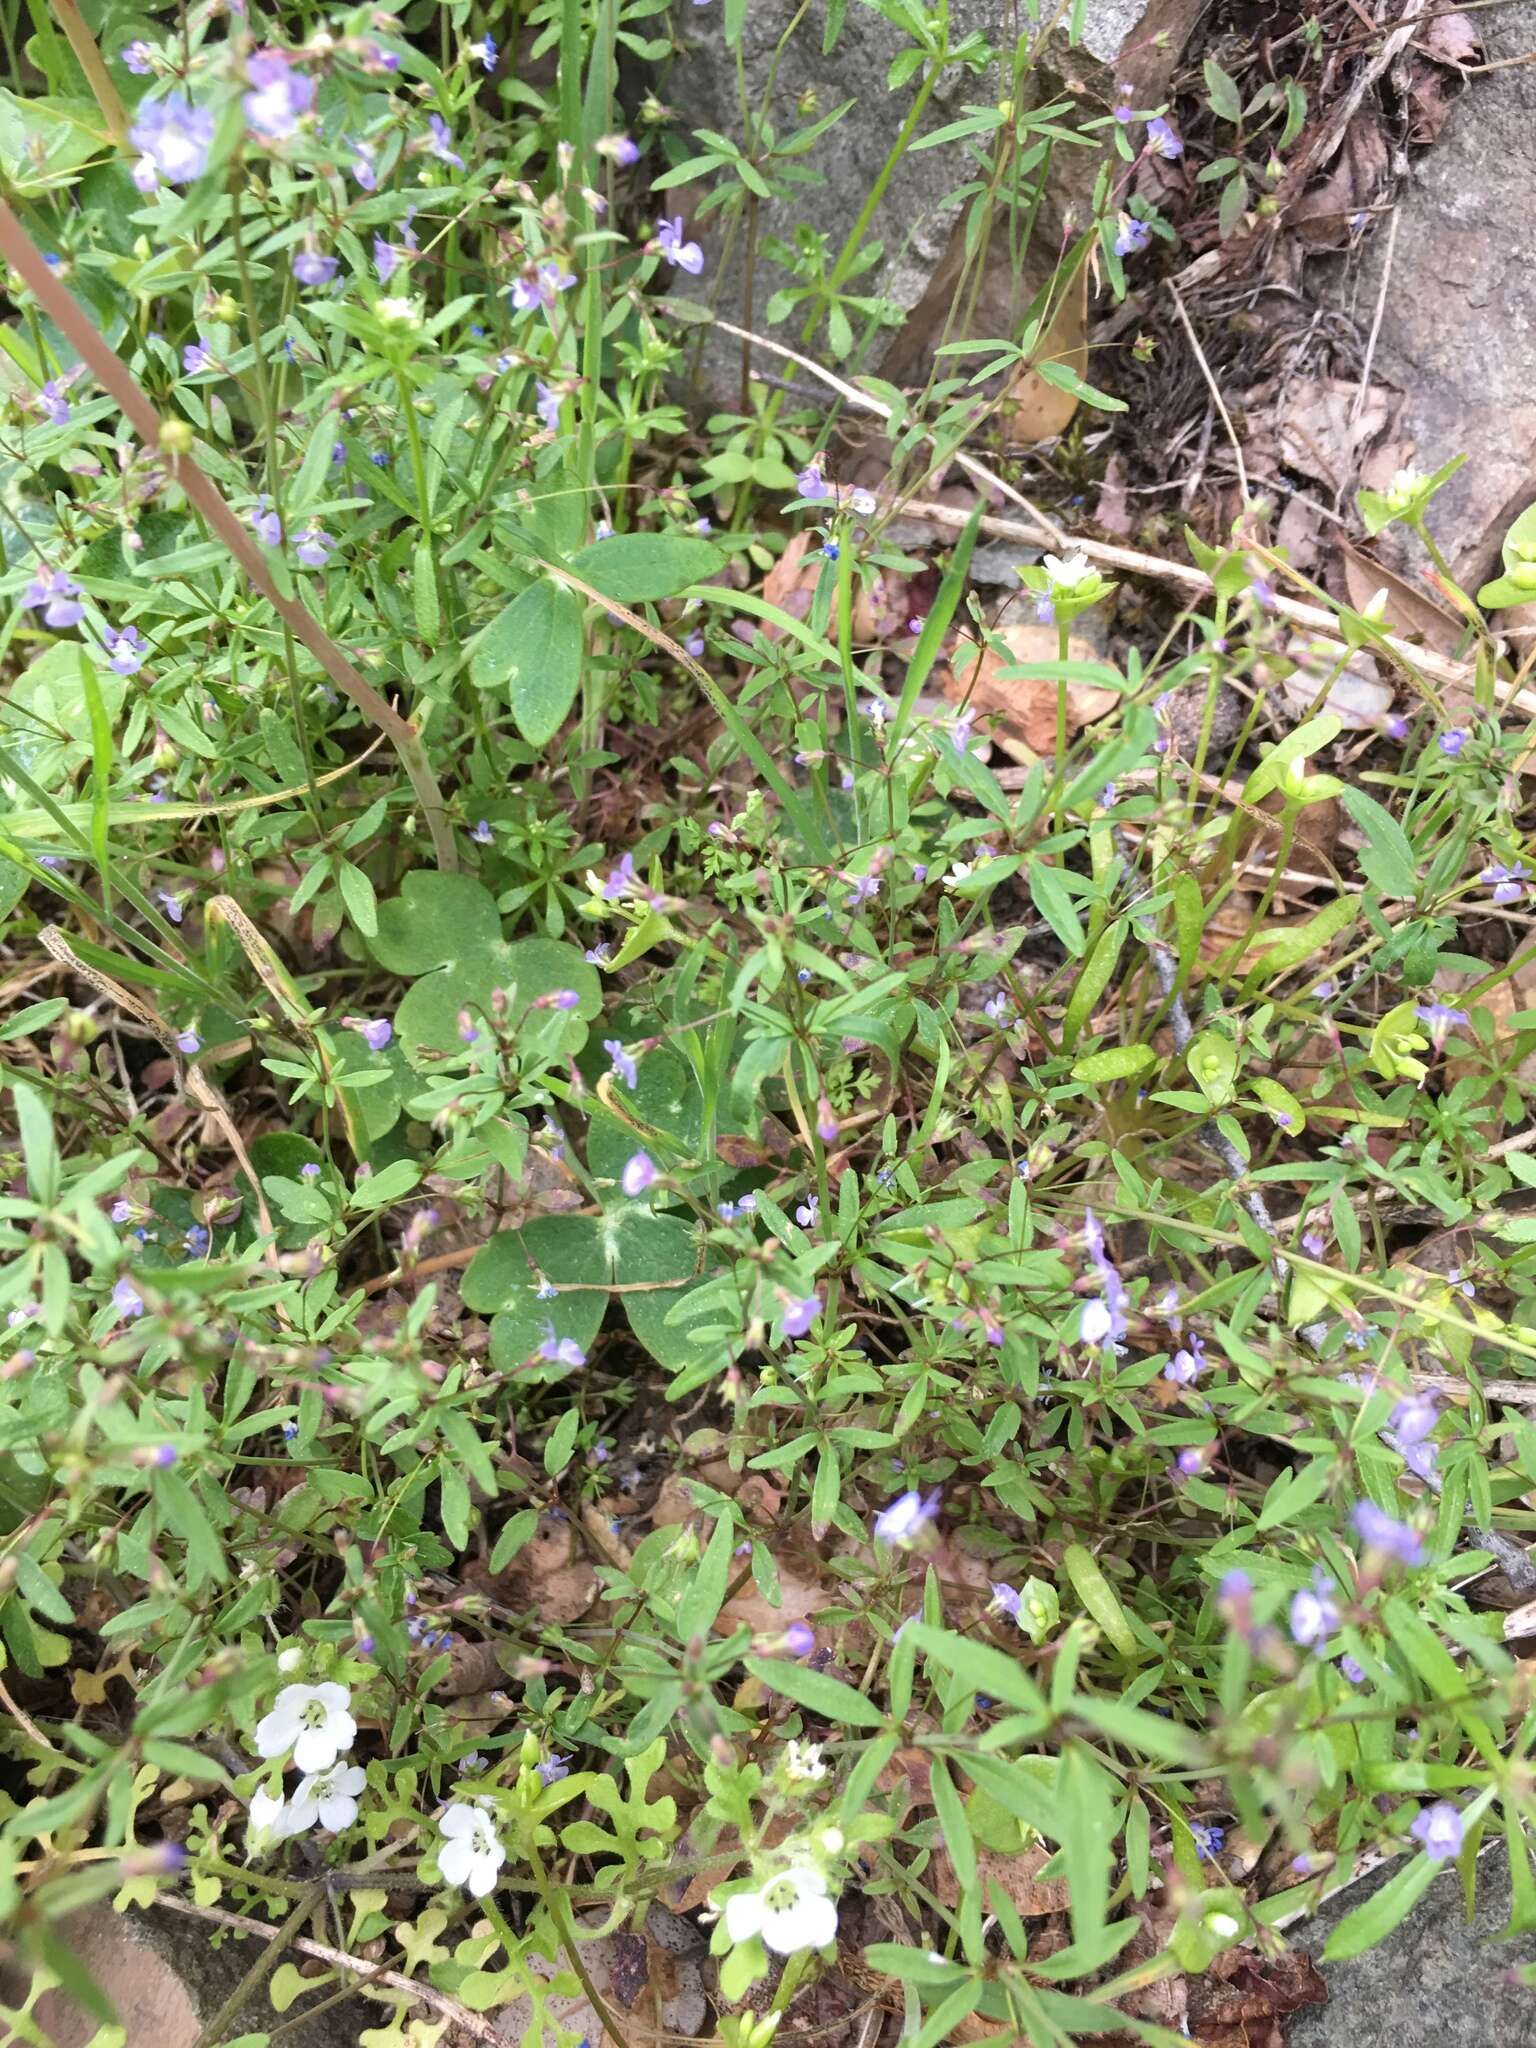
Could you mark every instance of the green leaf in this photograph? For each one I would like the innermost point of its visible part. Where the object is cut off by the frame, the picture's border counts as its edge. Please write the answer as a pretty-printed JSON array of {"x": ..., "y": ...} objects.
[
  {"x": 1226, "y": 100},
  {"x": 979, "y": 1666},
  {"x": 704, "y": 1594},
  {"x": 1087, "y": 1805},
  {"x": 824, "y": 1695},
  {"x": 634, "y": 568},
  {"x": 1065, "y": 378},
  {"x": 1114, "y": 1063},
  {"x": 1388, "y": 858},
  {"x": 424, "y": 598},
  {"x": 357, "y": 894},
  {"x": 1371, "y": 1922},
  {"x": 38, "y": 1144},
  {"x": 562, "y": 1441},
  {"x": 1098, "y": 1597},
  {"x": 533, "y": 651}
]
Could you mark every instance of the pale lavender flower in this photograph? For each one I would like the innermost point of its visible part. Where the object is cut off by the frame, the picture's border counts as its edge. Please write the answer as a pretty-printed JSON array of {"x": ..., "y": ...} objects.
[
  {"x": 906, "y": 1517},
  {"x": 57, "y": 592},
  {"x": 1380, "y": 1532},
  {"x": 1414, "y": 1419},
  {"x": 1132, "y": 236},
  {"x": 173, "y": 139},
  {"x": 375, "y": 1032},
  {"x": 1005, "y": 1600},
  {"x": 554, "y": 1767},
  {"x": 548, "y": 406},
  {"x": 195, "y": 358},
  {"x": 1508, "y": 882},
  {"x": 365, "y": 167},
  {"x": 1314, "y": 1614},
  {"x": 674, "y": 250},
  {"x": 624, "y": 1063},
  {"x": 1163, "y": 139},
  {"x": 620, "y": 880},
  {"x": 482, "y": 834},
  {"x": 562, "y": 1350},
  {"x": 280, "y": 96},
  {"x": 1440, "y": 1829},
  {"x": 810, "y": 483},
  {"x": 565, "y": 999},
  {"x": 126, "y": 1298},
  {"x": 310, "y": 267},
  {"x": 266, "y": 524},
  {"x": 188, "y": 1042},
  {"x": 800, "y": 1313},
  {"x": 799, "y": 1639},
  {"x": 1440, "y": 1018},
  {"x": 139, "y": 58},
  {"x": 639, "y": 1174},
  {"x": 170, "y": 904},
  {"x": 53, "y": 402},
  {"x": 313, "y": 547},
  {"x": 485, "y": 50},
  {"x": 808, "y": 1213},
  {"x": 1186, "y": 1366},
  {"x": 1313, "y": 1243},
  {"x": 1209, "y": 1841},
  {"x": 1452, "y": 742},
  {"x": 1352, "y": 1669},
  {"x": 441, "y": 144},
  {"x": 619, "y": 149},
  {"x": 541, "y": 287}
]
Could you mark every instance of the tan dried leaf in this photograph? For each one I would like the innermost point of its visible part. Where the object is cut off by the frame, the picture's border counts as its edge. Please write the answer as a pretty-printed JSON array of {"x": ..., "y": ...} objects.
[
  {"x": 1320, "y": 432},
  {"x": 1452, "y": 39},
  {"x": 1024, "y": 709},
  {"x": 1015, "y": 1875},
  {"x": 1035, "y": 410},
  {"x": 1410, "y": 613}
]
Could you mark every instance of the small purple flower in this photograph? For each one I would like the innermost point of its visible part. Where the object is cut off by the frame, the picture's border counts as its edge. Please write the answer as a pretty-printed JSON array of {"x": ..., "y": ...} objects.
[
  {"x": 619, "y": 149},
  {"x": 441, "y": 144},
  {"x": 1209, "y": 1841},
  {"x": 485, "y": 50},
  {"x": 170, "y": 904},
  {"x": 122, "y": 1210},
  {"x": 1313, "y": 1243},
  {"x": 562, "y": 1350},
  {"x": 126, "y": 1298},
  {"x": 163, "y": 1455},
  {"x": 1005, "y": 1600},
  {"x": 375, "y": 1032},
  {"x": 694, "y": 645},
  {"x": 1262, "y": 590},
  {"x": 280, "y": 96},
  {"x": 548, "y": 405},
  {"x": 566, "y": 999},
  {"x": 808, "y": 1213},
  {"x": 1508, "y": 882},
  {"x": 1440, "y": 1018},
  {"x": 826, "y": 1122},
  {"x": 555, "y": 1767},
  {"x": 1380, "y": 1532},
  {"x": 365, "y": 167},
  {"x": 1045, "y": 610},
  {"x": 58, "y": 593},
  {"x": 541, "y": 288},
  {"x": 1395, "y": 726},
  {"x": 310, "y": 267},
  {"x": 1314, "y": 1614},
  {"x": 386, "y": 259},
  {"x": 195, "y": 358},
  {"x": 125, "y": 650},
  {"x": 1440, "y": 1829},
  {"x": 1452, "y": 742},
  {"x": 482, "y": 834},
  {"x": 1186, "y": 1366},
  {"x": 905, "y": 1518},
  {"x": 188, "y": 1042},
  {"x": 799, "y": 1639},
  {"x": 624, "y": 1063},
  {"x": 674, "y": 250},
  {"x": 1414, "y": 1419},
  {"x": 1133, "y": 235},
  {"x": 266, "y": 524},
  {"x": 810, "y": 483},
  {"x": 620, "y": 880},
  {"x": 173, "y": 139},
  {"x": 1352, "y": 1670},
  {"x": 1163, "y": 139},
  {"x": 313, "y": 547},
  {"x": 1192, "y": 1459},
  {"x": 54, "y": 403},
  {"x": 639, "y": 1174},
  {"x": 139, "y": 58},
  {"x": 800, "y": 1313},
  {"x": 310, "y": 1170},
  {"x": 831, "y": 550}
]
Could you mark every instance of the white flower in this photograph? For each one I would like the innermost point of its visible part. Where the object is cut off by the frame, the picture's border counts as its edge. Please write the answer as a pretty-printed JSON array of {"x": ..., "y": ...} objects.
[
  {"x": 803, "y": 1764},
  {"x": 960, "y": 871},
  {"x": 289, "y": 1660},
  {"x": 398, "y": 312},
  {"x": 471, "y": 1855},
  {"x": 791, "y": 1912},
  {"x": 1405, "y": 483},
  {"x": 269, "y": 1818},
  {"x": 1068, "y": 574},
  {"x": 329, "y": 1797},
  {"x": 312, "y": 1721}
]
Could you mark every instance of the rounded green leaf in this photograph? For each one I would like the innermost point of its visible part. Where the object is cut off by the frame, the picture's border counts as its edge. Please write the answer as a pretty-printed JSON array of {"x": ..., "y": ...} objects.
[
  {"x": 634, "y": 567},
  {"x": 533, "y": 651}
]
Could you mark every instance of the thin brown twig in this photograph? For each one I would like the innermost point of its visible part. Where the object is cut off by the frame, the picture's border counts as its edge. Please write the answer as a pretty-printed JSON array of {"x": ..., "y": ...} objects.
[
  {"x": 473, "y": 2023},
  {"x": 1215, "y": 390}
]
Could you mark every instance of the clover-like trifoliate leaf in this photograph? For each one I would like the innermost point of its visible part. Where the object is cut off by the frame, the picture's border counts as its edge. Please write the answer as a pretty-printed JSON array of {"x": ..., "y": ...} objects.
[
  {"x": 626, "y": 1245},
  {"x": 444, "y": 931}
]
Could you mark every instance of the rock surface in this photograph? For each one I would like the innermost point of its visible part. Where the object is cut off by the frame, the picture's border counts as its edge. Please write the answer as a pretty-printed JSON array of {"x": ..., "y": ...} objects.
[
  {"x": 916, "y": 223},
  {"x": 167, "y": 1980},
  {"x": 1458, "y": 330},
  {"x": 1435, "y": 1982}
]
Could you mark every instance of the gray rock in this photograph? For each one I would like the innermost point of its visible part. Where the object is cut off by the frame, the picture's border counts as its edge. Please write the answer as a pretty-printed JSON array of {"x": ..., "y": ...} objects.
[
  {"x": 1458, "y": 331},
  {"x": 167, "y": 1978},
  {"x": 1435, "y": 1982},
  {"x": 917, "y": 223}
]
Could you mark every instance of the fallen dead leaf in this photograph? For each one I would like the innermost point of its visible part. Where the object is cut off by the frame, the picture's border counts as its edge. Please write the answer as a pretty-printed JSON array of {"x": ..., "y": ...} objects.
[
  {"x": 1409, "y": 613},
  {"x": 1035, "y": 410},
  {"x": 1357, "y": 695},
  {"x": 552, "y": 1575},
  {"x": 1016, "y": 1877},
  {"x": 1452, "y": 39},
  {"x": 1320, "y": 432},
  {"x": 1112, "y": 513},
  {"x": 1024, "y": 709},
  {"x": 1323, "y": 214}
]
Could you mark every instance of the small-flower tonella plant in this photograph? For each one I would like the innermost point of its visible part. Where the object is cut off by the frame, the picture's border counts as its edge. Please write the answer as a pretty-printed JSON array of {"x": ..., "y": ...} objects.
[{"x": 1064, "y": 587}]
